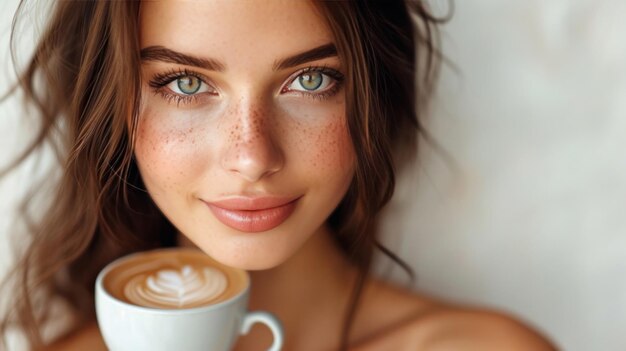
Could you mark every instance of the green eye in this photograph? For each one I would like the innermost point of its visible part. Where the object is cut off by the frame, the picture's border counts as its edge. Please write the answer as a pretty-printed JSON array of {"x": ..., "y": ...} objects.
[
  {"x": 311, "y": 80},
  {"x": 189, "y": 84}
]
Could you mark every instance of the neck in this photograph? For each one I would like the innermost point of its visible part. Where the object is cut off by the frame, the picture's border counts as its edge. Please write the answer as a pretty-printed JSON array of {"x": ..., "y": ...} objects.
[
  {"x": 309, "y": 293},
  {"x": 317, "y": 270}
]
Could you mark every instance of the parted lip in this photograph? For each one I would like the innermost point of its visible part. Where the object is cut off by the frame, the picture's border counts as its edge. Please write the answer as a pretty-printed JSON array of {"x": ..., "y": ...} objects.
[{"x": 245, "y": 203}]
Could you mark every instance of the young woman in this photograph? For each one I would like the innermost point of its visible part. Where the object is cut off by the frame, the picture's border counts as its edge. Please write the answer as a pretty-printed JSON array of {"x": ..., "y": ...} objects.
[{"x": 267, "y": 134}]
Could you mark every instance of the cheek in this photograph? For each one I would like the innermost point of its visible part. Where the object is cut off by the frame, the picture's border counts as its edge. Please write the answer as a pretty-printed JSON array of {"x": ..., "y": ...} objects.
[
  {"x": 166, "y": 153},
  {"x": 329, "y": 148},
  {"x": 335, "y": 147}
]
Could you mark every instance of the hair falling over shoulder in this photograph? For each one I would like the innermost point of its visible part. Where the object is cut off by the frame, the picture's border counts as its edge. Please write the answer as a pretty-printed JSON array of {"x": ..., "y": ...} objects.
[{"x": 84, "y": 83}]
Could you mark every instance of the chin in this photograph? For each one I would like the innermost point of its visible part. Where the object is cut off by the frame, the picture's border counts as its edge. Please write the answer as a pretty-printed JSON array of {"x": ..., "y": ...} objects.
[{"x": 244, "y": 259}]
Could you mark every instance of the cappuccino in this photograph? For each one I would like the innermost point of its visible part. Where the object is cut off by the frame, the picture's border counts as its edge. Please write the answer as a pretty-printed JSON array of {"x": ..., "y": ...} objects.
[{"x": 173, "y": 279}]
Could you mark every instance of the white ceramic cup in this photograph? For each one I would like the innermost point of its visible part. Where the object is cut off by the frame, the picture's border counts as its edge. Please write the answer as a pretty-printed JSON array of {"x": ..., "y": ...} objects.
[{"x": 128, "y": 327}]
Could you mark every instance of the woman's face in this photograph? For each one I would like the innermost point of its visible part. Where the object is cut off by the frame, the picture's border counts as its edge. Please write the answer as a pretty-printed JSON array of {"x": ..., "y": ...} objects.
[{"x": 242, "y": 139}]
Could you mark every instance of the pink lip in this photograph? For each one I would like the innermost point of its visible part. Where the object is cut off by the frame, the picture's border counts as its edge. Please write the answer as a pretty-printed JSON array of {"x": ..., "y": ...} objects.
[{"x": 253, "y": 215}]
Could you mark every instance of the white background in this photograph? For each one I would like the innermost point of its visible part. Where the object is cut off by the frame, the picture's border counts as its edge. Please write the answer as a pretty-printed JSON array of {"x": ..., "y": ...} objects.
[{"x": 532, "y": 218}]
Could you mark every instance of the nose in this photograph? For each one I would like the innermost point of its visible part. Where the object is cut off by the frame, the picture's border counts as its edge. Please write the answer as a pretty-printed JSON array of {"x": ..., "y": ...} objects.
[{"x": 252, "y": 151}]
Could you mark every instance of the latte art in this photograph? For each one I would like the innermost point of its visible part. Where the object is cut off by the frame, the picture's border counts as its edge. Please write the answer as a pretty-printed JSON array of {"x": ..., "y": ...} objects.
[
  {"x": 173, "y": 278},
  {"x": 186, "y": 287}
]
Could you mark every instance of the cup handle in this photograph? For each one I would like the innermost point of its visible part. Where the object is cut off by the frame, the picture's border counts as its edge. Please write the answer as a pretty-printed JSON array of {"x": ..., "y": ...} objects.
[{"x": 268, "y": 319}]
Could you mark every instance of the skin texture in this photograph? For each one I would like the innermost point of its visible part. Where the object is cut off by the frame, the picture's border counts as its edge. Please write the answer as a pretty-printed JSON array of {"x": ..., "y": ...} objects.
[
  {"x": 246, "y": 135},
  {"x": 243, "y": 135}
]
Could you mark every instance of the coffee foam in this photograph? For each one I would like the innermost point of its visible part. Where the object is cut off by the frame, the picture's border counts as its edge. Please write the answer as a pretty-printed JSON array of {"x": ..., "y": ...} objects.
[
  {"x": 174, "y": 279},
  {"x": 187, "y": 287}
]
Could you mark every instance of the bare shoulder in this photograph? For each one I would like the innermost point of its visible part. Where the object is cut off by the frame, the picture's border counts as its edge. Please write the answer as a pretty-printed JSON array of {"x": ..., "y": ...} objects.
[
  {"x": 454, "y": 328},
  {"x": 412, "y": 321},
  {"x": 86, "y": 338}
]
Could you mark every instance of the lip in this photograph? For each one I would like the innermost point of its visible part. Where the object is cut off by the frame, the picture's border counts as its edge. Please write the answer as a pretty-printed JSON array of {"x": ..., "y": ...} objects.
[{"x": 253, "y": 215}]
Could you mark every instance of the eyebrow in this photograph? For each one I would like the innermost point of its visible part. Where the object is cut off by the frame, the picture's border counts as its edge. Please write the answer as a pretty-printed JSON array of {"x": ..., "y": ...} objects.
[
  {"x": 163, "y": 54},
  {"x": 318, "y": 53}
]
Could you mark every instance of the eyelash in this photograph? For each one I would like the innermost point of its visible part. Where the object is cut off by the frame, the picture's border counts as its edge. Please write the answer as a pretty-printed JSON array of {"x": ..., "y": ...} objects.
[{"x": 159, "y": 81}]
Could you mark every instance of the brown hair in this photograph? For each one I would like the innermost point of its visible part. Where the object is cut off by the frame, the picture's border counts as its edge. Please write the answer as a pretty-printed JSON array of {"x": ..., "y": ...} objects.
[{"x": 101, "y": 210}]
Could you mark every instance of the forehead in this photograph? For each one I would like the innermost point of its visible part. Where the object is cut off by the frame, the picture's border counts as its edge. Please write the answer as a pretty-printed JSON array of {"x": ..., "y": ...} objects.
[{"x": 234, "y": 31}]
